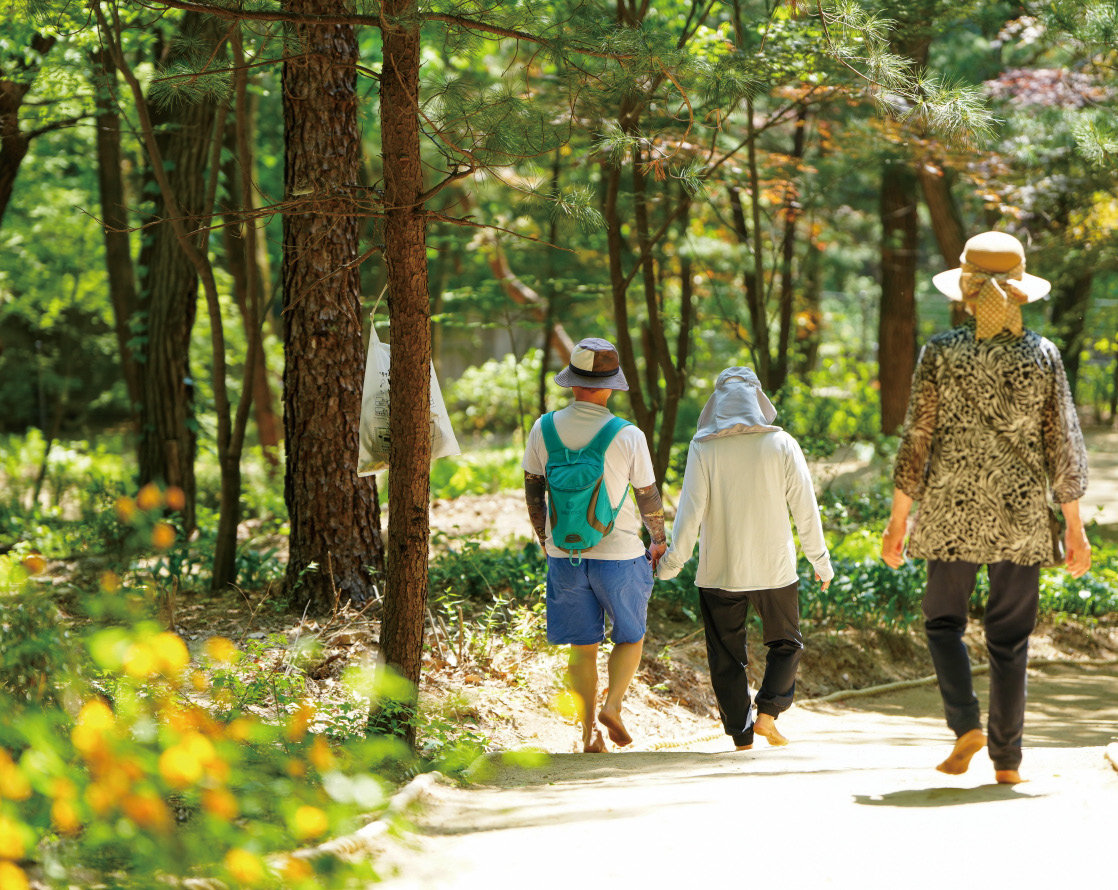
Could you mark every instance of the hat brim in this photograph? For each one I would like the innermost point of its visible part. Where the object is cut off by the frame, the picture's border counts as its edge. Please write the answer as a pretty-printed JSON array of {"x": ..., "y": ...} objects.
[
  {"x": 1033, "y": 286},
  {"x": 568, "y": 378}
]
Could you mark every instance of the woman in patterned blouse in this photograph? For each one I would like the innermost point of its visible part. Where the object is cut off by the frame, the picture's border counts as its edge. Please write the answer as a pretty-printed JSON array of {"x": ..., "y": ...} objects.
[{"x": 990, "y": 421}]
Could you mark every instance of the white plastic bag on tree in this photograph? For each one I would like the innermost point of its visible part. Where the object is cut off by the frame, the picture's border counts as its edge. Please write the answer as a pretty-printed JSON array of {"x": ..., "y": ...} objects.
[{"x": 373, "y": 440}]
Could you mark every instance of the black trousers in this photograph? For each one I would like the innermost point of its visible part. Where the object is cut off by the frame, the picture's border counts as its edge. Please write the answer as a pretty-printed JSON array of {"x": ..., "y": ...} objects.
[
  {"x": 1010, "y": 618},
  {"x": 724, "y": 617}
]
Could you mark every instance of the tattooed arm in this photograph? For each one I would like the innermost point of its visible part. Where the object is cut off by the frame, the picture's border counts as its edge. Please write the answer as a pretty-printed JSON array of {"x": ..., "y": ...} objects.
[
  {"x": 652, "y": 514},
  {"x": 535, "y": 496}
]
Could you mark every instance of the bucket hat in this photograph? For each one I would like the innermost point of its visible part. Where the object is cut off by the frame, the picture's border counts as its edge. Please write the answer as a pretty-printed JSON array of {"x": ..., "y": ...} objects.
[{"x": 595, "y": 365}]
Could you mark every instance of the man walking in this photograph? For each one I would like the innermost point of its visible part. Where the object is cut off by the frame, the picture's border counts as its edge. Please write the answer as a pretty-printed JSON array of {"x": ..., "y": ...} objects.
[
  {"x": 599, "y": 565},
  {"x": 743, "y": 477},
  {"x": 990, "y": 425}
]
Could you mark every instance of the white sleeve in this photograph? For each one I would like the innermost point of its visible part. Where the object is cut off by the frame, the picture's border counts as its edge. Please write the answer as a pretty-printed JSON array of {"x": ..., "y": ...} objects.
[
  {"x": 535, "y": 452},
  {"x": 689, "y": 516},
  {"x": 641, "y": 472},
  {"x": 800, "y": 495}
]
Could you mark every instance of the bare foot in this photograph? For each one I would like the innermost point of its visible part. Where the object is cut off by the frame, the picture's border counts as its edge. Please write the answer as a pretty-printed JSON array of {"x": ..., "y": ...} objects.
[
  {"x": 766, "y": 727},
  {"x": 1008, "y": 777},
  {"x": 742, "y": 747},
  {"x": 616, "y": 729},
  {"x": 966, "y": 746},
  {"x": 596, "y": 745}
]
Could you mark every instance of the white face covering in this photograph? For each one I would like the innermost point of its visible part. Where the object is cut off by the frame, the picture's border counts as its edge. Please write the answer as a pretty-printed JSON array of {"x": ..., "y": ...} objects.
[{"x": 737, "y": 405}]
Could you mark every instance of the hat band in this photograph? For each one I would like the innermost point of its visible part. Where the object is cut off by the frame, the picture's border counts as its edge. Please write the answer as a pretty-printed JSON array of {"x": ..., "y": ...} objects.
[
  {"x": 582, "y": 373},
  {"x": 994, "y": 298}
]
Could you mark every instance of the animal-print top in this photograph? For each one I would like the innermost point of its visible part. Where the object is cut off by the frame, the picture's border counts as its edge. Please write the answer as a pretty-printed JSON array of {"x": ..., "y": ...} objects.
[{"x": 979, "y": 502}]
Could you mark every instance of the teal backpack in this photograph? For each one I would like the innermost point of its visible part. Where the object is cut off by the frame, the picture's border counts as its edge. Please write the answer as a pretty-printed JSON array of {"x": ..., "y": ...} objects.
[{"x": 578, "y": 503}]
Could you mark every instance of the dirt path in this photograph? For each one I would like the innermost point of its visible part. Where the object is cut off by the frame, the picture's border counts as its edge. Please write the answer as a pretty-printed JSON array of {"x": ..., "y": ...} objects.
[{"x": 852, "y": 802}]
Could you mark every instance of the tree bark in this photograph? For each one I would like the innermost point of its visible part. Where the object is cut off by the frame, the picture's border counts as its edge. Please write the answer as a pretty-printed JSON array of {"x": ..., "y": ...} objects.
[
  {"x": 791, "y": 211},
  {"x": 330, "y": 509},
  {"x": 169, "y": 280},
  {"x": 409, "y": 371},
  {"x": 1070, "y": 300},
  {"x": 13, "y": 141},
  {"x": 947, "y": 219},
  {"x": 115, "y": 223},
  {"x": 896, "y": 342},
  {"x": 249, "y": 285}
]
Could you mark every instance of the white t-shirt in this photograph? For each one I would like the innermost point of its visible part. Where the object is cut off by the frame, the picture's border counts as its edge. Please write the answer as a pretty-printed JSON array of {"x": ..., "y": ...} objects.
[
  {"x": 628, "y": 463},
  {"x": 736, "y": 498}
]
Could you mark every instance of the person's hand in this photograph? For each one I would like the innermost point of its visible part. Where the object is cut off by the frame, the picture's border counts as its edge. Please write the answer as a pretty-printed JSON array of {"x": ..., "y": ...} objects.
[
  {"x": 823, "y": 585},
  {"x": 1078, "y": 551},
  {"x": 892, "y": 545},
  {"x": 656, "y": 551}
]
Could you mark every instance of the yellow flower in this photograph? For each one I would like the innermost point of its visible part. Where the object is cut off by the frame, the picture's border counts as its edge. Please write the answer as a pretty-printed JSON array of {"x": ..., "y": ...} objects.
[
  {"x": 171, "y": 652},
  {"x": 11, "y": 840},
  {"x": 110, "y": 582},
  {"x": 12, "y": 877},
  {"x": 140, "y": 661},
  {"x": 220, "y": 803},
  {"x": 309, "y": 822},
  {"x": 62, "y": 788},
  {"x": 221, "y": 649},
  {"x": 13, "y": 783},
  {"x": 95, "y": 720},
  {"x": 244, "y": 866},
  {"x": 101, "y": 798},
  {"x": 179, "y": 767},
  {"x": 240, "y": 730},
  {"x": 65, "y": 816},
  {"x": 163, "y": 535},
  {"x": 149, "y": 497},
  {"x": 567, "y": 704}
]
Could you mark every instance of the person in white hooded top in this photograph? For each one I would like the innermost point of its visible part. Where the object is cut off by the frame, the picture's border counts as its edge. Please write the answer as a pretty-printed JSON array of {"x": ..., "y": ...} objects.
[{"x": 744, "y": 477}]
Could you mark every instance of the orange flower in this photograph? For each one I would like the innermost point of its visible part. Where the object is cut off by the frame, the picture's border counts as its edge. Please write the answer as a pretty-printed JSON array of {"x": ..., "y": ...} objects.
[
  {"x": 320, "y": 754},
  {"x": 147, "y": 810},
  {"x": 149, "y": 497},
  {"x": 175, "y": 498},
  {"x": 179, "y": 767},
  {"x": 95, "y": 721},
  {"x": 295, "y": 869},
  {"x": 125, "y": 508},
  {"x": 110, "y": 582},
  {"x": 34, "y": 563},
  {"x": 309, "y": 822},
  {"x": 220, "y": 803},
  {"x": 100, "y": 798},
  {"x": 163, "y": 535},
  {"x": 140, "y": 661},
  {"x": 65, "y": 816},
  {"x": 301, "y": 720}
]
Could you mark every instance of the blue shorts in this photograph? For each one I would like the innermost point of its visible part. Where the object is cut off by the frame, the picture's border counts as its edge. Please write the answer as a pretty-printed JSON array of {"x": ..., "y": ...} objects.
[{"x": 580, "y": 596}]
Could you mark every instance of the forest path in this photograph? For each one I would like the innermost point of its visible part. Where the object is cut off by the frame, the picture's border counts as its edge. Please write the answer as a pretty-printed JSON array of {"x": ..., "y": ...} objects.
[{"x": 854, "y": 801}]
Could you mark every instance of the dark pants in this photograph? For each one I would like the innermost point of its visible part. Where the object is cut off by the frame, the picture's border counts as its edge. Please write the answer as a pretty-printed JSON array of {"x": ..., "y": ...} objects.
[
  {"x": 1010, "y": 618},
  {"x": 724, "y": 614}
]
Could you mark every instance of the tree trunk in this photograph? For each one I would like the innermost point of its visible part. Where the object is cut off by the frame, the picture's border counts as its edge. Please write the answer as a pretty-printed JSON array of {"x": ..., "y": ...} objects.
[
  {"x": 13, "y": 89},
  {"x": 409, "y": 310},
  {"x": 169, "y": 280},
  {"x": 791, "y": 211},
  {"x": 241, "y": 263},
  {"x": 330, "y": 509},
  {"x": 1070, "y": 300},
  {"x": 896, "y": 342},
  {"x": 115, "y": 223},
  {"x": 946, "y": 217}
]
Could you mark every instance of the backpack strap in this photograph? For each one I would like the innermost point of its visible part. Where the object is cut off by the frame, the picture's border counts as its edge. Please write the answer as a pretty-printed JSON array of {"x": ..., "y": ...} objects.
[
  {"x": 605, "y": 436},
  {"x": 551, "y": 439}
]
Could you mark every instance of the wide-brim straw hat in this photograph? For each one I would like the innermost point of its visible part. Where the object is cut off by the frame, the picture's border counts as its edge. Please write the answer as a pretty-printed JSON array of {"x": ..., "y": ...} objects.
[
  {"x": 994, "y": 253},
  {"x": 594, "y": 365}
]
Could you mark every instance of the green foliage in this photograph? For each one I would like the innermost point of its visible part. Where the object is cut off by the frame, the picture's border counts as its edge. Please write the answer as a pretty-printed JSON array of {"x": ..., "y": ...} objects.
[
  {"x": 499, "y": 397},
  {"x": 482, "y": 472}
]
